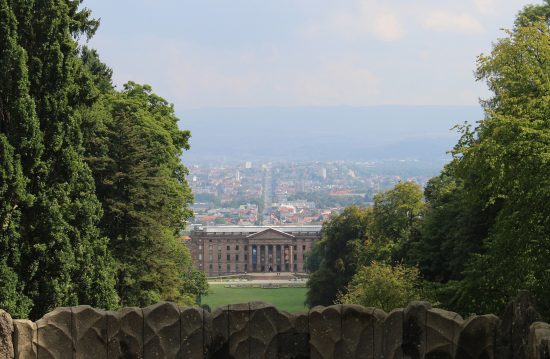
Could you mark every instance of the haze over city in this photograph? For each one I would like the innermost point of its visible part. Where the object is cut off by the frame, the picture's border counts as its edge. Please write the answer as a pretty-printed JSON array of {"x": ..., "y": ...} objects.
[{"x": 280, "y": 80}]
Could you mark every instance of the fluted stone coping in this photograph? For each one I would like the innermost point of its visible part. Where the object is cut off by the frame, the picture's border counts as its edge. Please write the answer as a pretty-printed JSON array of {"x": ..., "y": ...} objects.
[{"x": 259, "y": 330}]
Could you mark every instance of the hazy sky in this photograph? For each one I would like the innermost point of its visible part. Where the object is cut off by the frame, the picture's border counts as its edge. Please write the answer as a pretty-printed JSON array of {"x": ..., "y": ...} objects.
[{"x": 221, "y": 53}]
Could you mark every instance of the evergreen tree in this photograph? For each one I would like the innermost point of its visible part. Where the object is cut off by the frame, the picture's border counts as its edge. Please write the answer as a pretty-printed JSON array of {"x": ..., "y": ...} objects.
[
  {"x": 135, "y": 154},
  {"x": 63, "y": 259},
  {"x": 20, "y": 150}
]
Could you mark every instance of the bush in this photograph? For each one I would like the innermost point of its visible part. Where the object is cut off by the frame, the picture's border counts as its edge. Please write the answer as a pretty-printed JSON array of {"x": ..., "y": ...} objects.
[{"x": 383, "y": 286}]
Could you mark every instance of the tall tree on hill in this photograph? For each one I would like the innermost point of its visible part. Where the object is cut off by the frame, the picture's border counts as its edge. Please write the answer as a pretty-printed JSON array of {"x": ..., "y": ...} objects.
[
  {"x": 20, "y": 149},
  {"x": 65, "y": 258},
  {"x": 135, "y": 156},
  {"x": 505, "y": 163}
]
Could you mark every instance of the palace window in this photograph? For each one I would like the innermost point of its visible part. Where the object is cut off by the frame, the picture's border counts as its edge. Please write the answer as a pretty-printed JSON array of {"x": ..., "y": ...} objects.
[
  {"x": 227, "y": 248},
  {"x": 210, "y": 266},
  {"x": 228, "y": 257},
  {"x": 200, "y": 257},
  {"x": 228, "y": 268},
  {"x": 246, "y": 257},
  {"x": 304, "y": 247},
  {"x": 237, "y": 247},
  {"x": 219, "y": 257},
  {"x": 236, "y": 257},
  {"x": 245, "y": 248},
  {"x": 210, "y": 258}
]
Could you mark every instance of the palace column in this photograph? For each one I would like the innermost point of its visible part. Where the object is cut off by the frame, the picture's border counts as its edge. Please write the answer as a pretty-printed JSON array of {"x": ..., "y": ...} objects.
[
  {"x": 249, "y": 269},
  {"x": 291, "y": 257},
  {"x": 274, "y": 258},
  {"x": 262, "y": 259}
]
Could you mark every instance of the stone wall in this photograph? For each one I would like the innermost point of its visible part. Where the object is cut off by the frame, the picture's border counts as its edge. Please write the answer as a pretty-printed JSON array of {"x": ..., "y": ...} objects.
[{"x": 258, "y": 330}]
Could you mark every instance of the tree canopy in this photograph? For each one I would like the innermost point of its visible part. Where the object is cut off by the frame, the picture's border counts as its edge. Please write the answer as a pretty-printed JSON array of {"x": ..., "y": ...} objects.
[{"x": 93, "y": 195}]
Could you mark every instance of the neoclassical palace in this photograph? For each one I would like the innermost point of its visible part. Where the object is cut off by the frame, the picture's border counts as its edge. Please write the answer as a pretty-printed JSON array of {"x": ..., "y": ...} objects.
[{"x": 220, "y": 250}]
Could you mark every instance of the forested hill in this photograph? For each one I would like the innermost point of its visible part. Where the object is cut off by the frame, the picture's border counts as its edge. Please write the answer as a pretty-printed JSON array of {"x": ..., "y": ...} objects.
[{"x": 324, "y": 133}]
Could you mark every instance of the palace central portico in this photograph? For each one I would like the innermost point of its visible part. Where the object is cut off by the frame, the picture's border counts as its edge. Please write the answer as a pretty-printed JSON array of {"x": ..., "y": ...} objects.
[{"x": 220, "y": 250}]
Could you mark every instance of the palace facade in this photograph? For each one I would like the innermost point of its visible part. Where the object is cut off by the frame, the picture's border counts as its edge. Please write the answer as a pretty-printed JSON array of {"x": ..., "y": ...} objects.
[{"x": 221, "y": 250}]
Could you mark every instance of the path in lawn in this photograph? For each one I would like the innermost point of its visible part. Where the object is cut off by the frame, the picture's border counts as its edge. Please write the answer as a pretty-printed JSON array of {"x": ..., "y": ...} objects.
[{"x": 289, "y": 299}]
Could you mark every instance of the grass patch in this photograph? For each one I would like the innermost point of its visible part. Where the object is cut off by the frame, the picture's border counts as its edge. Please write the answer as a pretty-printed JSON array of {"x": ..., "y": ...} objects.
[{"x": 289, "y": 299}]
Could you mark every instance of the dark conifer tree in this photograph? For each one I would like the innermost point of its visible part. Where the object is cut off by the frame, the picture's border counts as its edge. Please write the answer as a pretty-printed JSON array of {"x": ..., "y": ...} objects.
[{"x": 64, "y": 258}]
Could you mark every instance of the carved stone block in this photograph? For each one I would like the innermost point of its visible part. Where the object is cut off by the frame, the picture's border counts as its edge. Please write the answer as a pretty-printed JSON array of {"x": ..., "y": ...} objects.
[
  {"x": 219, "y": 347},
  {"x": 161, "y": 331},
  {"x": 478, "y": 337},
  {"x": 393, "y": 334},
  {"x": 263, "y": 326},
  {"x": 539, "y": 341},
  {"x": 442, "y": 333},
  {"x": 238, "y": 317},
  {"x": 192, "y": 333},
  {"x": 414, "y": 329},
  {"x": 293, "y": 337},
  {"x": 125, "y": 333},
  {"x": 89, "y": 331},
  {"x": 54, "y": 335},
  {"x": 24, "y": 339},
  {"x": 359, "y": 332},
  {"x": 6, "y": 333},
  {"x": 325, "y": 331}
]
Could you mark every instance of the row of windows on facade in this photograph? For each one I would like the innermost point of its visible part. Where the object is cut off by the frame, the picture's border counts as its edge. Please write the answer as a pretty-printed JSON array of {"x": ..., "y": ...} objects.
[
  {"x": 245, "y": 247},
  {"x": 228, "y": 257},
  {"x": 237, "y": 267}
]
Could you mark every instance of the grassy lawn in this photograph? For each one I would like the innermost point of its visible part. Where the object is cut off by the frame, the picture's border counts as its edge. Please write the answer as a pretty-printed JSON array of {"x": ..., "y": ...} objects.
[{"x": 289, "y": 299}]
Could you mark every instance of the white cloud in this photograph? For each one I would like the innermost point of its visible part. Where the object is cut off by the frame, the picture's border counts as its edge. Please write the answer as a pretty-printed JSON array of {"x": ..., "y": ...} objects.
[
  {"x": 486, "y": 7},
  {"x": 370, "y": 18},
  {"x": 386, "y": 26},
  {"x": 443, "y": 20}
]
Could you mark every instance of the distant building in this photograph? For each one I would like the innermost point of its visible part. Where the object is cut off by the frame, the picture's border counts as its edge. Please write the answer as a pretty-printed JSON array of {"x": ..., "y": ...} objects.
[{"x": 219, "y": 250}]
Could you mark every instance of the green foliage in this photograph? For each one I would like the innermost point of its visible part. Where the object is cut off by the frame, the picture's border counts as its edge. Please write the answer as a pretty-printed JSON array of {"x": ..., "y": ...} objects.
[
  {"x": 196, "y": 283},
  {"x": 453, "y": 226},
  {"x": 341, "y": 236},
  {"x": 393, "y": 222},
  {"x": 313, "y": 258},
  {"x": 134, "y": 148},
  {"x": 534, "y": 13},
  {"x": 53, "y": 249},
  {"x": 383, "y": 286},
  {"x": 504, "y": 163}
]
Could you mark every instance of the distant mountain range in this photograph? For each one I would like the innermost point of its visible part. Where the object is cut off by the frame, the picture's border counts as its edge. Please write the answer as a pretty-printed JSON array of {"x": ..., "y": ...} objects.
[{"x": 323, "y": 133}]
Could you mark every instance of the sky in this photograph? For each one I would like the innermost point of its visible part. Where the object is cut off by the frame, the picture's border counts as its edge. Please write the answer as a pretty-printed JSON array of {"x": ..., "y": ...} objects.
[{"x": 271, "y": 53}]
